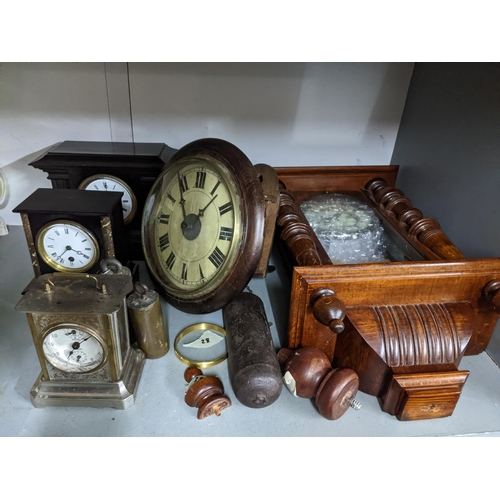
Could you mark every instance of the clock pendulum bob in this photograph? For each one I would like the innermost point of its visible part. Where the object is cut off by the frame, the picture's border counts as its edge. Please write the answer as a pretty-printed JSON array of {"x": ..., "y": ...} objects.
[
  {"x": 254, "y": 370},
  {"x": 80, "y": 331},
  {"x": 205, "y": 393},
  {"x": 308, "y": 373},
  {"x": 147, "y": 322}
]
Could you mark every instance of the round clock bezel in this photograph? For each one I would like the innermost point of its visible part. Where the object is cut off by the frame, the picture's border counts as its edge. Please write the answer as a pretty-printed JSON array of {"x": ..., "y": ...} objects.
[
  {"x": 84, "y": 328},
  {"x": 126, "y": 220},
  {"x": 48, "y": 259},
  {"x": 243, "y": 185}
]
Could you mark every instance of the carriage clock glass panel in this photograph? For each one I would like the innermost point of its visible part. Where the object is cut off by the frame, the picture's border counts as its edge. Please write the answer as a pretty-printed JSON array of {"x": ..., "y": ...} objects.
[{"x": 111, "y": 183}]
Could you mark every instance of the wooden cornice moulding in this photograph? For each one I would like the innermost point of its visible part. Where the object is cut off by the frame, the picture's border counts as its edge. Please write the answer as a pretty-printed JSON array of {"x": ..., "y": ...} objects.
[
  {"x": 305, "y": 182},
  {"x": 394, "y": 284},
  {"x": 415, "y": 334}
]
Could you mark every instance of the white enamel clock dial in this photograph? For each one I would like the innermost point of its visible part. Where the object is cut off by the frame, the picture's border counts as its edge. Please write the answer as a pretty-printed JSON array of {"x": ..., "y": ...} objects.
[
  {"x": 113, "y": 184},
  {"x": 73, "y": 349},
  {"x": 67, "y": 246}
]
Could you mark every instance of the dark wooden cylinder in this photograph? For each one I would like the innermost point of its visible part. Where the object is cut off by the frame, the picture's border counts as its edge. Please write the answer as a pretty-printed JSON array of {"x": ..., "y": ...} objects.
[{"x": 254, "y": 370}]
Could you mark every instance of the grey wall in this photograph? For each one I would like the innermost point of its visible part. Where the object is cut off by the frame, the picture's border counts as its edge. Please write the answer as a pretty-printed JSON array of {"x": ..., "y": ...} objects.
[
  {"x": 448, "y": 149},
  {"x": 277, "y": 113}
]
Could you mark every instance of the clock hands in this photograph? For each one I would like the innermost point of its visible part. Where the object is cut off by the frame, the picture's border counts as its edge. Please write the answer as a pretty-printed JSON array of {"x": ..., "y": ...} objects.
[
  {"x": 191, "y": 224},
  {"x": 201, "y": 211},
  {"x": 182, "y": 202},
  {"x": 65, "y": 250},
  {"x": 68, "y": 247},
  {"x": 76, "y": 345}
]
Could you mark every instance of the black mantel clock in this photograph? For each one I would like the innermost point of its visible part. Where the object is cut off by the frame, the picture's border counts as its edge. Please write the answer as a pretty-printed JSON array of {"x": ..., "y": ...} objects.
[
  {"x": 127, "y": 167},
  {"x": 70, "y": 230}
]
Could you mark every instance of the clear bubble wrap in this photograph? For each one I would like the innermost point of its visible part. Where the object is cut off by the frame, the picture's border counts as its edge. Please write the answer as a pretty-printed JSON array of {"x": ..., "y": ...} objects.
[{"x": 348, "y": 229}]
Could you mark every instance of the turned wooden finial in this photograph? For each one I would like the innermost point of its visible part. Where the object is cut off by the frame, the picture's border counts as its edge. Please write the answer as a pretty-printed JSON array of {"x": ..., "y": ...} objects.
[
  {"x": 205, "y": 393},
  {"x": 492, "y": 293},
  {"x": 328, "y": 309},
  {"x": 307, "y": 373}
]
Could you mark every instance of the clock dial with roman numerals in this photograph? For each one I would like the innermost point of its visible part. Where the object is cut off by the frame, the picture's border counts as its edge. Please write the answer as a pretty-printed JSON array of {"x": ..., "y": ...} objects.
[
  {"x": 110, "y": 183},
  {"x": 67, "y": 246},
  {"x": 202, "y": 227}
]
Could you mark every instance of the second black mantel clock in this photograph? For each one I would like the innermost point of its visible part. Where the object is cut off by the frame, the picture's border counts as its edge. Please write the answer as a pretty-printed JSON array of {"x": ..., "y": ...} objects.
[{"x": 130, "y": 168}]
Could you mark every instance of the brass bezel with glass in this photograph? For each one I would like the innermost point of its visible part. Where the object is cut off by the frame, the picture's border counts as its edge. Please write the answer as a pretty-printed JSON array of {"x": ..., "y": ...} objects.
[
  {"x": 84, "y": 251},
  {"x": 69, "y": 353}
]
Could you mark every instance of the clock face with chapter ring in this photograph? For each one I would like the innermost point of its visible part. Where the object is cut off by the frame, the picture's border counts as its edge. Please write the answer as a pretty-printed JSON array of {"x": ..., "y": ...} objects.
[
  {"x": 72, "y": 348},
  {"x": 105, "y": 183},
  {"x": 199, "y": 229},
  {"x": 67, "y": 246}
]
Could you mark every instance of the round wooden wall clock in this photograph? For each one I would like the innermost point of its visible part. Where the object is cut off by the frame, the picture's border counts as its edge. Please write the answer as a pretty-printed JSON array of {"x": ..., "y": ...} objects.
[{"x": 203, "y": 226}]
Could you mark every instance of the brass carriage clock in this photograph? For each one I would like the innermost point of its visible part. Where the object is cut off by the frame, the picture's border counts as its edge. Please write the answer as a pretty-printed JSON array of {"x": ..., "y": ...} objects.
[{"x": 80, "y": 330}]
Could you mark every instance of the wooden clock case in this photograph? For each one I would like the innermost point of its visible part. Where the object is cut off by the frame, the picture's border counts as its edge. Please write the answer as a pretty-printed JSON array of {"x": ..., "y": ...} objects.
[
  {"x": 69, "y": 163},
  {"x": 402, "y": 326}
]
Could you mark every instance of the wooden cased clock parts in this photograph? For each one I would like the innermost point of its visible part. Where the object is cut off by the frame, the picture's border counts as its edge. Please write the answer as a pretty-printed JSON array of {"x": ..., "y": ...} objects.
[
  {"x": 129, "y": 168},
  {"x": 70, "y": 230},
  {"x": 402, "y": 324},
  {"x": 203, "y": 226},
  {"x": 80, "y": 331}
]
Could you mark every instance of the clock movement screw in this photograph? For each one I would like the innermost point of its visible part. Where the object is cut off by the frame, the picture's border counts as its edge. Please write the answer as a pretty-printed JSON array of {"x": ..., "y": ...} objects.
[{"x": 353, "y": 403}]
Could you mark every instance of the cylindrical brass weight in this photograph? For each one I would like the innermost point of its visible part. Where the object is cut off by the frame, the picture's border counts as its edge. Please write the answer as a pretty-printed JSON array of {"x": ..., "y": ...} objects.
[
  {"x": 145, "y": 313},
  {"x": 254, "y": 371}
]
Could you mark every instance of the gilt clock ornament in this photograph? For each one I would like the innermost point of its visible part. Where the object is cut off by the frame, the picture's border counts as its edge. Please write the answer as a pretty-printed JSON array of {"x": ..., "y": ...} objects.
[
  {"x": 80, "y": 331},
  {"x": 70, "y": 230},
  {"x": 203, "y": 226}
]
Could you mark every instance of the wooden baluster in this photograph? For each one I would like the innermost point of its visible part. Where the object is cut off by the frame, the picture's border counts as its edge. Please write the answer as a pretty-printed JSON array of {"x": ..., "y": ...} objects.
[{"x": 426, "y": 230}]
